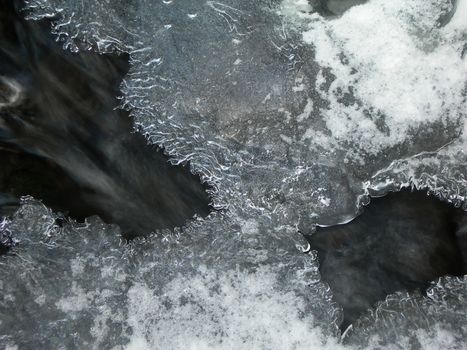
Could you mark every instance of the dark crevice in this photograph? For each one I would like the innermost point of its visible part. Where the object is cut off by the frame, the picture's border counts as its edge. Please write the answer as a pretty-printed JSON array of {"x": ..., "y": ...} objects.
[
  {"x": 64, "y": 141},
  {"x": 402, "y": 241}
]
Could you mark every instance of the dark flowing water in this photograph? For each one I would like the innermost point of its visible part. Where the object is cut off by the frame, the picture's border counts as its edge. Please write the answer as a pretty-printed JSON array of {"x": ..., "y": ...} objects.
[
  {"x": 400, "y": 242},
  {"x": 63, "y": 140}
]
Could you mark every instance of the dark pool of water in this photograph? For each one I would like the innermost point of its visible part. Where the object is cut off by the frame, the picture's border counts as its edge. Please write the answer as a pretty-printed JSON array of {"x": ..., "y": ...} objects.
[{"x": 402, "y": 241}]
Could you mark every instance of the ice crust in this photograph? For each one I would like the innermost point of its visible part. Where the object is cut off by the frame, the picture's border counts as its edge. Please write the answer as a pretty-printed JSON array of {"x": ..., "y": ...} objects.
[
  {"x": 77, "y": 286},
  {"x": 269, "y": 100},
  {"x": 294, "y": 119}
]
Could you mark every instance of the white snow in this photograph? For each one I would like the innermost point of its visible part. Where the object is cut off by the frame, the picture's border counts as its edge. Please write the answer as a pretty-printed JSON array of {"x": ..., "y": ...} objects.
[
  {"x": 223, "y": 310},
  {"x": 400, "y": 66}
]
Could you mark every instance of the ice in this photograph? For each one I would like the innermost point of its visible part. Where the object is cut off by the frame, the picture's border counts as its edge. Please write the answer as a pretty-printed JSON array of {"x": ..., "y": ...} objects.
[
  {"x": 79, "y": 286},
  {"x": 256, "y": 94},
  {"x": 398, "y": 78},
  {"x": 411, "y": 321},
  {"x": 222, "y": 310},
  {"x": 442, "y": 172},
  {"x": 294, "y": 119}
]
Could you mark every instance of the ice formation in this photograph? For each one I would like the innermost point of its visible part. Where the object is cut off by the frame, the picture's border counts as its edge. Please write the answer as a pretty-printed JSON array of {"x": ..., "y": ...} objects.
[{"x": 294, "y": 119}]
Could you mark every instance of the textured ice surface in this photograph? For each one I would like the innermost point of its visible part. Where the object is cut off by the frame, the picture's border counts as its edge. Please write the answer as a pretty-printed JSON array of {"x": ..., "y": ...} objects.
[
  {"x": 272, "y": 101},
  {"x": 405, "y": 321},
  {"x": 293, "y": 118},
  {"x": 248, "y": 91},
  {"x": 77, "y": 287},
  {"x": 392, "y": 80},
  {"x": 228, "y": 283}
]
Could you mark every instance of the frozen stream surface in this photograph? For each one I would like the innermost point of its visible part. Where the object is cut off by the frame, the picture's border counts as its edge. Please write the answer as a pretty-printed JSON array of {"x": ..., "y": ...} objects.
[{"x": 294, "y": 116}]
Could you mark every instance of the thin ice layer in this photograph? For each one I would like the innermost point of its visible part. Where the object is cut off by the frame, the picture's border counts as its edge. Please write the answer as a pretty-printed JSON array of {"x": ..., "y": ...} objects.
[
  {"x": 403, "y": 321},
  {"x": 427, "y": 170},
  {"x": 274, "y": 104},
  {"x": 78, "y": 286}
]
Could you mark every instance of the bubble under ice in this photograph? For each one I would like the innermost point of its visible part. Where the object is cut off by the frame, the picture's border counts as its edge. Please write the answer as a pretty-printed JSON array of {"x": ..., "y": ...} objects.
[{"x": 252, "y": 95}]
